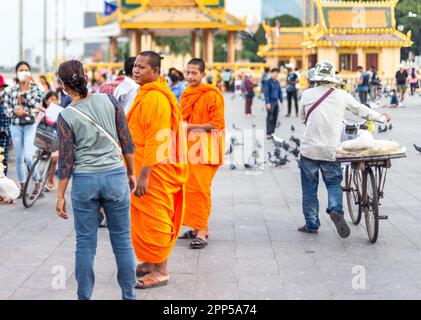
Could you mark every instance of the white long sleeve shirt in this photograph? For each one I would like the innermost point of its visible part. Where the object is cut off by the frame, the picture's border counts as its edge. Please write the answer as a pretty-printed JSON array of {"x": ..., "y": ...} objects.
[{"x": 324, "y": 126}]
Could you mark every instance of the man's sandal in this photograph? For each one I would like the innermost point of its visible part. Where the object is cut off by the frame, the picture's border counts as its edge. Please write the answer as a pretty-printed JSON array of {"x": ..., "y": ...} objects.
[
  {"x": 198, "y": 243},
  {"x": 140, "y": 284},
  {"x": 187, "y": 235}
]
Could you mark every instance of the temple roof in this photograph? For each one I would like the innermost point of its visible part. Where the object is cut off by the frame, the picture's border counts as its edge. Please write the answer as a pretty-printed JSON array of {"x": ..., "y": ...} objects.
[
  {"x": 354, "y": 23},
  {"x": 285, "y": 42},
  {"x": 181, "y": 14}
]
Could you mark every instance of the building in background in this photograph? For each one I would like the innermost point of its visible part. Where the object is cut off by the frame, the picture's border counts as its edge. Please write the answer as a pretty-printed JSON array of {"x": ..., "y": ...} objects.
[{"x": 349, "y": 34}]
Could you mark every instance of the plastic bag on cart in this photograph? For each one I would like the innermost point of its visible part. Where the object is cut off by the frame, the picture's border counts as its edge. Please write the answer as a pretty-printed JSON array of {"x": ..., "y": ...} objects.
[
  {"x": 364, "y": 141},
  {"x": 383, "y": 147}
]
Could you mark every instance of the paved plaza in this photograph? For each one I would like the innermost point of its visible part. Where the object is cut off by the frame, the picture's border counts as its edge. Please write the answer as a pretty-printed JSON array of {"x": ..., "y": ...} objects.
[{"x": 255, "y": 251}]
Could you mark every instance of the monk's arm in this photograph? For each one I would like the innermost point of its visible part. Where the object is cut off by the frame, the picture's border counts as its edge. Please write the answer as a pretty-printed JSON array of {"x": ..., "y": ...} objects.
[{"x": 205, "y": 127}]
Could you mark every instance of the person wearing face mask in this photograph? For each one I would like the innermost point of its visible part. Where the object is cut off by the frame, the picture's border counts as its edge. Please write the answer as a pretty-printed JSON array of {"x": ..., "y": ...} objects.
[
  {"x": 177, "y": 86},
  {"x": 4, "y": 126},
  {"x": 21, "y": 103}
]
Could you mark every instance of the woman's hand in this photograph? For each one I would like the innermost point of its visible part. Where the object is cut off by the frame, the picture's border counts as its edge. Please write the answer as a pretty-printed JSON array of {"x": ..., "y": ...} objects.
[
  {"x": 268, "y": 107},
  {"x": 61, "y": 208},
  {"x": 132, "y": 182},
  {"x": 20, "y": 112}
]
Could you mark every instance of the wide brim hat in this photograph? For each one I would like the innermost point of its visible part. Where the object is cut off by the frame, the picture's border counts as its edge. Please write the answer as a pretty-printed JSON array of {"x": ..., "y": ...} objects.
[{"x": 325, "y": 71}]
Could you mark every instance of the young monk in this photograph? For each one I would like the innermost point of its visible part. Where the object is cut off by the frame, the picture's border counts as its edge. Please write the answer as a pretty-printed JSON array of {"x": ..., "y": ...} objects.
[
  {"x": 202, "y": 106},
  {"x": 157, "y": 207}
]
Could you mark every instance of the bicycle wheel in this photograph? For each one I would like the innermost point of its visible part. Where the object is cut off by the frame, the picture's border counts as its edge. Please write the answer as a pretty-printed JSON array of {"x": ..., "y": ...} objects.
[
  {"x": 353, "y": 194},
  {"x": 371, "y": 205},
  {"x": 36, "y": 179}
]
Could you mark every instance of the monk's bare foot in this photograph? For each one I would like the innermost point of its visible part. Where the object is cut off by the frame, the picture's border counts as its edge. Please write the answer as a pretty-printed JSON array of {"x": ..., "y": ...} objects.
[
  {"x": 153, "y": 280},
  {"x": 202, "y": 235},
  {"x": 144, "y": 269}
]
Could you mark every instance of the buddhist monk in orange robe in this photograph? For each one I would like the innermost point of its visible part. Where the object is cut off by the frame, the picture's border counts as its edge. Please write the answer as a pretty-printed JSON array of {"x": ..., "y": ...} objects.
[
  {"x": 157, "y": 207},
  {"x": 202, "y": 106}
]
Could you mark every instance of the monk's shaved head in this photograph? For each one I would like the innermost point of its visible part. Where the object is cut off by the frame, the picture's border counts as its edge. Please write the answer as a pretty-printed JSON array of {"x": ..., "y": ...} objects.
[
  {"x": 154, "y": 59},
  {"x": 198, "y": 62}
]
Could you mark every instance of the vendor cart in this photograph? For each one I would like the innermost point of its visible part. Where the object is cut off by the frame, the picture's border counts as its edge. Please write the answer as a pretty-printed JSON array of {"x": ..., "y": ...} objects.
[{"x": 365, "y": 179}]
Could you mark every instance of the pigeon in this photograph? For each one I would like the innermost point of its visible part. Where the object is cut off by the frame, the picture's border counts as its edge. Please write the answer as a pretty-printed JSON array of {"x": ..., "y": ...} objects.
[
  {"x": 417, "y": 148},
  {"x": 244, "y": 35},
  {"x": 390, "y": 126},
  {"x": 292, "y": 128},
  {"x": 382, "y": 130},
  {"x": 283, "y": 161},
  {"x": 295, "y": 140},
  {"x": 285, "y": 146},
  {"x": 296, "y": 152},
  {"x": 233, "y": 166}
]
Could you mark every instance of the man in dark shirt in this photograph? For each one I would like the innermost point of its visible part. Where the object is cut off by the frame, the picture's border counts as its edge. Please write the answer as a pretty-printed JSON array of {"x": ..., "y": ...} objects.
[
  {"x": 401, "y": 80},
  {"x": 273, "y": 95},
  {"x": 292, "y": 80}
]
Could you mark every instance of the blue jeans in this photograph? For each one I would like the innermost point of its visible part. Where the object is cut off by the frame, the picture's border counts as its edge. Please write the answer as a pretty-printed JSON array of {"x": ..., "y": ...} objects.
[
  {"x": 110, "y": 190},
  {"x": 332, "y": 177},
  {"x": 23, "y": 143}
]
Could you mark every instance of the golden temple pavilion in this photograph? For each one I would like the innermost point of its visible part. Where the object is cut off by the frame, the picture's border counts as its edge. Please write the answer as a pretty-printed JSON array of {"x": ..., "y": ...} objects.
[
  {"x": 143, "y": 20},
  {"x": 349, "y": 34}
]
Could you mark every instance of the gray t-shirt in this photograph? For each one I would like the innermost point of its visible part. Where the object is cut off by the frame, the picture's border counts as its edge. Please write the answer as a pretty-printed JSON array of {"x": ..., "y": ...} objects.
[{"x": 94, "y": 150}]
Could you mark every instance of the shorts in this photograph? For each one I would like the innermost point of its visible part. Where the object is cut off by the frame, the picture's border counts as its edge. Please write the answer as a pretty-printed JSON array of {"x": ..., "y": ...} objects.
[{"x": 402, "y": 87}]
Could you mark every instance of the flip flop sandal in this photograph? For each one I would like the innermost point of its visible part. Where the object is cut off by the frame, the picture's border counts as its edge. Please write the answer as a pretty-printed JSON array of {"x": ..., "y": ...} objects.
[
  {"x": 198, "y": 243},
  {"x": 187, "y": 235},
  {"x": 140, "y": 285},
  {"x": 141, "y": 274},
  {"x": 340, "y": 224},
  {"x": 305, "y": 229}
]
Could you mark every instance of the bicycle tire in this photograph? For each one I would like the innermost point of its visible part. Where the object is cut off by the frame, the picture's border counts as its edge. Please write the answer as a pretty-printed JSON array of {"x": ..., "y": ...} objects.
[
  {"x": 371, "y": 205},
  {"x": 353, "y": 195},
  {"x": 27, "y": 201}
]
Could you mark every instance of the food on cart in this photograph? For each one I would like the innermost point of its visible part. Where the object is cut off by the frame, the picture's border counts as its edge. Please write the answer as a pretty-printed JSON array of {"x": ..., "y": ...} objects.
[{"x": 365, "y": 146}]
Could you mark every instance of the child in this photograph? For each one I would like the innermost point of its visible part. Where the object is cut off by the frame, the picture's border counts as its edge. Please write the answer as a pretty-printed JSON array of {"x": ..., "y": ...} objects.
[
  {"x": 51, "y": 97},
  {"x": 394, "y": 103}
]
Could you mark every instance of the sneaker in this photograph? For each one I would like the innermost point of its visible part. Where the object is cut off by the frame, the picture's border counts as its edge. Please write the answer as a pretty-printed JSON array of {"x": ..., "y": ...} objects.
[{"x": 340, "y": 224}]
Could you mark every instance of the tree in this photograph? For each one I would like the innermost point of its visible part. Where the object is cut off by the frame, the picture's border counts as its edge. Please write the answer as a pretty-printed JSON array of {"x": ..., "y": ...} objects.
[{"x": 250, "y": 47}]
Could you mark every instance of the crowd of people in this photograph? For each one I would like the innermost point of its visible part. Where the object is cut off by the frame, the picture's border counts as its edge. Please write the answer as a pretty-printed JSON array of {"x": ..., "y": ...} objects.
[{"x": 142, "y": 150}]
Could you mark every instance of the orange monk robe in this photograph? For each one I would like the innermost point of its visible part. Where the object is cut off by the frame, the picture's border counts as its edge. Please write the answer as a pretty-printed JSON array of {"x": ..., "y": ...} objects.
[
  {"x": 202, "y": 105},
  {"x": 157, "y": 217}
]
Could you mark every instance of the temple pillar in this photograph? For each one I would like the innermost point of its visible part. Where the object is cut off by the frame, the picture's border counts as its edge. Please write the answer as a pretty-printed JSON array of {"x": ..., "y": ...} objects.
[
  {"x": 135, "y": 47},
  {"x": 113, "y": 50},
  {"x": 144, "y": 41},
  {"x": 208, "y": 35},
  {"x": 196, "y": 44},
  {"x": 231, "y": 46}
]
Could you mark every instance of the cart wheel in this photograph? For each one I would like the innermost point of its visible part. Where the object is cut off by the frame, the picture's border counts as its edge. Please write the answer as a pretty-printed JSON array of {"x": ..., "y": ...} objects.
[
  {"x": 371, "y": 205},
  {"x": 353, "y": 181},
  {"x": 38, "y": 175}
]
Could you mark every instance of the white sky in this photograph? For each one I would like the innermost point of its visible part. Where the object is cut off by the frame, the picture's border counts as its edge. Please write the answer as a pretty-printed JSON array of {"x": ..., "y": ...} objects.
[{"x": 73, "y": 20}]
